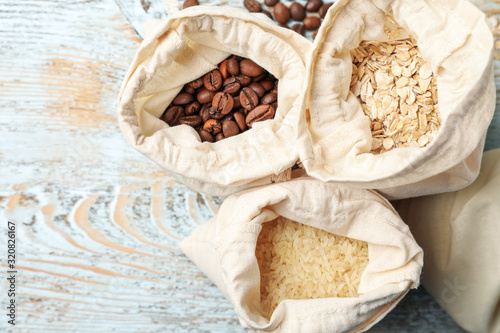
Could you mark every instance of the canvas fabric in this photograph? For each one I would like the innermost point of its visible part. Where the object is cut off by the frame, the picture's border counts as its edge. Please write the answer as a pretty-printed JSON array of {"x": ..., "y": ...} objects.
[
  {"x": 459, "y": 232},
  {"x": 224, "y": 249},
  {"x": 335, "y": 140},
  {"x": 184, "y": 47}
]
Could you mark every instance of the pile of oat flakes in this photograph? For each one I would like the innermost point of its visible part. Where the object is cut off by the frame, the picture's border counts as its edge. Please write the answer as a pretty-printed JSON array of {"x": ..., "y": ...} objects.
[{"x": 398, "y": 92}]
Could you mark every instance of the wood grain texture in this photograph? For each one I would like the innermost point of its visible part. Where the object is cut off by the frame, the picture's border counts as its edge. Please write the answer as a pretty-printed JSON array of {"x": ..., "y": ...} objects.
[{"x": 98, "y": 224}]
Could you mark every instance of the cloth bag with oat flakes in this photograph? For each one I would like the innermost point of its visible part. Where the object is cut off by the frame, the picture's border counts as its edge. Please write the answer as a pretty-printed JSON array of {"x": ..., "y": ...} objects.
[
  {"x": 182, "y": 48},
  {"x": 225, "y": 247},
  {"x": 419, "y": 147}
]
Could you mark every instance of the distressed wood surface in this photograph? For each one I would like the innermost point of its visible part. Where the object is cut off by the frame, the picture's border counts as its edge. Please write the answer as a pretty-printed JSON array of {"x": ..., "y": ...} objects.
[{"x": 97, "y": 224}]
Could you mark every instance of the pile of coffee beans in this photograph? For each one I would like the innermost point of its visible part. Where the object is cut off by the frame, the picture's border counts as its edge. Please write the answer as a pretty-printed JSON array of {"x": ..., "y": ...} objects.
[
  {"x": 295, "y": 12},
  {"x": 225, "y": 101}
]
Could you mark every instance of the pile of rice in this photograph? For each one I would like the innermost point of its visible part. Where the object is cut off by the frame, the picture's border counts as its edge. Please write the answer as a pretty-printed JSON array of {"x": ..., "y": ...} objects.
[{"x": 297, "y": 261}]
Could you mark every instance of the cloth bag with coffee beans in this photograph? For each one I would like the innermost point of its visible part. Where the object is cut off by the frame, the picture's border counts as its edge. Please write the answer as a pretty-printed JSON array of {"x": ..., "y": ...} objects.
[
  {"x": 224, "y": 248},
  {"x": 459, "y": 232},
  {"x": 335, "y": 138},
  {"x": 186, "y": 46}
]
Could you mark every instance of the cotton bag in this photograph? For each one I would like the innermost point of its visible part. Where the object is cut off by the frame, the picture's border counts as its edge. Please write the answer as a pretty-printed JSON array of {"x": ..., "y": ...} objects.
[
  {"x": 224, "y": 249},
  {"x": 459, "y": 232},
  {"x": 334, "y": 141},
  {"x": 182, "y": 48}
]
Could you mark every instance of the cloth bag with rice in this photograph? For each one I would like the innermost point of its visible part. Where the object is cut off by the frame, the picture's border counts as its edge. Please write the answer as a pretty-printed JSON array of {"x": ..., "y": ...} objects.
[
  {"x": 307, "y": 256},
  {"x": 459, "y": 232},
  {"x": 182, "y": 48},
  {"x": 441, "y": 122}
]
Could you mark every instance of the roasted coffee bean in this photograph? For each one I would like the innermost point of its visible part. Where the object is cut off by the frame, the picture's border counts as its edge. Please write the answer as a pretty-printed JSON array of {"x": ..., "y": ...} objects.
[
  {"x": 205, "y": 136},
  {"x": 219, "y": 137},
  {"x": 271, "y": 3},
  {"x": 275, "y": 105},
  {"x": 313, "y": 5},
  {"x": 215, "y": 114},
  {"x": 268, "y": 14},
  {"x": 188, "y": 89},
  {"x": 240, "y": 120},
  {"x": 205, "y": 96},
  {"x": 314, "y": 34},
  {"x": 213, "y": 80},
  {"x": 227, "y": 117},
  {"x": 284, "y": 25},
  {"x": 189, "y": 3},
  {"x": 258, "y": 88},
  {"x": 281, "y": 13},
  {"x": 230, "y": 128},
  {"x": 260, "y": 113},
  {"x": 183, "y": 98},
  {"x": 323, "y": 9},
  {"x": 223, "y": 69},
  {"x": 297, "y": 11},
  {"x": 267, "y": 84},
  {"x": 269, "y": 98},
  {"x": 311, "y": 22},
  {"x": 223, "y": 102},
  {"x": 173, "y": 114},
  {"x": 205, "y": 112},
  {"x": 248, "y": 98},
  {"x": 243, "y": 80},
  {"x": 192, "y": 108},
  {"x": 237, "y": 103},
  {"x": 233, "y": 67},
  {"x": 253, "y": 6},
  {"x": 298, "y": 28},
  {"x": 260, "y": 77},
  {"x": 192, "y": 121},
  {"x": 250, "y": 68},
  {"x": 231, "y": 86},
  {"x": 212, "y": 126},
  {"x": 196, "y": 83}
]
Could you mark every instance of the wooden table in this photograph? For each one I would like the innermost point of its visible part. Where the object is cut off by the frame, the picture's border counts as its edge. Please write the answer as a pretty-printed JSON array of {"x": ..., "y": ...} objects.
[{"x": 97, "y": 224}]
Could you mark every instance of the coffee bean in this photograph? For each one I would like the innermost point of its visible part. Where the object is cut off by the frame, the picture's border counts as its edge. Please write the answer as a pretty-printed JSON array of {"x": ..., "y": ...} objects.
[
  {"x": 313, "y": 5},
  {"x": 188, "y": 89},
  {"x": 230, "y": 128},
  {"x": 231, "y": 86},
  {"x": 192, "y": 108},
  {"x": 215, "y": 114},
  {"x": 314, "y": 34},
  {"x": 183, "y": 98},
  {"x": 269, "y": 98},
  {"x": 275, "y": 105},
  {"x": 260, "y": 77},
  {"x": 243, "y": 80},
  {"x": 205, "y": 96},
  {"x": 311, "y": 23},
  {"x": 205, "y": 112},
  {"x": 298, "y": 28},
  {"x": 173, "y": 114},
  {"x": 323, "y": 9},
  {"x": 219, "y": 137},
  {"x": 271, "y": 3},
  {"x": 268, "y": 14},
  {"x": 192, "y": 121},
  {"x": 284, "y": 25},
  {"x": 267, "y": 84},
  {"x": 233, "y": 67},
  {"x": 223, "y": 102},
  {"x": 196, "y": 83},
  {"x": 258, "y": 88},
  {"x": 189, "y": 3},
  {"x": 260, "y": 113},
  {"x": 253, "y": 6},
  {"x": 213, "y": 80},
  {"x": 227, "y": 117},
  {"x": 237, "y": 103},
  {"x": 240, "y": 120},
  {"x": 250, "y": 68},
  {"x": 297, "y": 11},
  {"x": 212, "y": 126},
  {"x": 223, "y": 69},
  {"x": 248, "y": 98},
  {"x": 205, "y": 136},
  {"x": 281, "y": 13}
]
